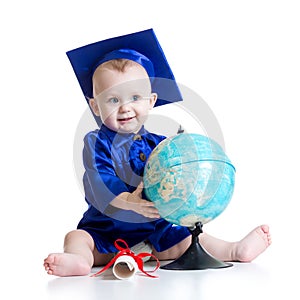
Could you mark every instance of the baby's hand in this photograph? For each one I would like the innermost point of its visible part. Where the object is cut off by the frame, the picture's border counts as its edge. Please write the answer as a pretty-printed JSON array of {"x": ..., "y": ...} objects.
[{"x": 140, "y": 205}]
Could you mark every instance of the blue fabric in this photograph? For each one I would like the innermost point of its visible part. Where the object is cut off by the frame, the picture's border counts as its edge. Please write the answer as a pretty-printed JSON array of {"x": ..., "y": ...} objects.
[
  {"x": 130, "y": 54},
  {"x": 113, "y": 165},
  {"x": 142, "y": 47}
]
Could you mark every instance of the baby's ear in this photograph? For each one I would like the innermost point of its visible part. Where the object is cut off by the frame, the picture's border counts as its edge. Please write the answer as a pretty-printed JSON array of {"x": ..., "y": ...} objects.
[
  {"x": 153, "y": 99},
  {"x": 94, "y": 106}
]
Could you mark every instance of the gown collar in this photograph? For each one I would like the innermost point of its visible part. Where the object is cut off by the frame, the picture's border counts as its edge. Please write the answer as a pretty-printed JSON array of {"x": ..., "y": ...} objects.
[{"x": 126, "y": 136}]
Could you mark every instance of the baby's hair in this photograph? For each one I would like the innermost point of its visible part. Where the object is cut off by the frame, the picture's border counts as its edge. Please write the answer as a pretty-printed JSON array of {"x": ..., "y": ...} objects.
[{"x": 119, "y": 64}]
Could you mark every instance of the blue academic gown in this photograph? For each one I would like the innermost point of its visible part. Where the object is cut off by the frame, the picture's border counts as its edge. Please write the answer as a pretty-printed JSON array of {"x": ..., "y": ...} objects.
[{"x": 114, "y": 163}]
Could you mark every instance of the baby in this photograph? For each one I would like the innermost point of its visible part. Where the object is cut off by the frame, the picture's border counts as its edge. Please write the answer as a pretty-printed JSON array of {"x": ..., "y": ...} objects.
[{"x": 114, "y": 158}]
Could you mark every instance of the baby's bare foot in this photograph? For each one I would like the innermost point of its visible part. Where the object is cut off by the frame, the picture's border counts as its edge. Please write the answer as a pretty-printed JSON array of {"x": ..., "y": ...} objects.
[
  {"x": 252, "y": 245},
  {"x": 66, "y": 264}
]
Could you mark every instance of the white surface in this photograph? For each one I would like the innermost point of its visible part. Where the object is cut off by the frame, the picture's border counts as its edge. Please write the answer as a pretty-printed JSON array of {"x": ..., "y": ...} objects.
[
  {"x": 240, "y": 282},
  {"x": 272, "y": 276},
  {"x": 241, "y": 57}
]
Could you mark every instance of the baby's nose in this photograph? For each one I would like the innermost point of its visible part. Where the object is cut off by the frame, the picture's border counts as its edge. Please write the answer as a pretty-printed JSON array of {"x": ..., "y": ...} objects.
[{"x": 125, "y": 106}]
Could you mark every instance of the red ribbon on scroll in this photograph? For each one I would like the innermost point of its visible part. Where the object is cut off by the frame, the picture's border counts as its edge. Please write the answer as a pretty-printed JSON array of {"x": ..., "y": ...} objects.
[{"x": 137, "y": 257}]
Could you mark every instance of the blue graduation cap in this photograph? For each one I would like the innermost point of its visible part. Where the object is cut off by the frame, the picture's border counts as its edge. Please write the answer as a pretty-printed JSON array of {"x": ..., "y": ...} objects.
[{"x": 141, "y": 47}]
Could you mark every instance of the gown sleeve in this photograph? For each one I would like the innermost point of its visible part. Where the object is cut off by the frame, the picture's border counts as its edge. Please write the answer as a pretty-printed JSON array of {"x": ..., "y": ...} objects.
[{"x": 101, "y": 182}]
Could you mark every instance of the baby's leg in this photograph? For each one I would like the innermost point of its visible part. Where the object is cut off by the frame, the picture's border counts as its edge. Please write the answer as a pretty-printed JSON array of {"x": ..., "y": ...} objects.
[
  {"x": 253, "y": 244},
  {"x": 245, "y": 250},
  {"x": 78, "y": 258}
]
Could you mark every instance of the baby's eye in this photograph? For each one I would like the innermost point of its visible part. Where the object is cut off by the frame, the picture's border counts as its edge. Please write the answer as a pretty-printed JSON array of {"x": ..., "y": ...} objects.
[
  {"x": 113, "y": 100},
  {"x": 136, "y": 97}
]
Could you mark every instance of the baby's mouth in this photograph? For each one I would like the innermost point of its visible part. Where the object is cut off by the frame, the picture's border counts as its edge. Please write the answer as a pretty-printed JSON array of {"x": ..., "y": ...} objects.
[{"x": 125, "y": 119}]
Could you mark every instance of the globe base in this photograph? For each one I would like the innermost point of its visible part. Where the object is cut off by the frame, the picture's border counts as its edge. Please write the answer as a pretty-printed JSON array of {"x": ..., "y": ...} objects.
[{"x": 195, "y": 257}]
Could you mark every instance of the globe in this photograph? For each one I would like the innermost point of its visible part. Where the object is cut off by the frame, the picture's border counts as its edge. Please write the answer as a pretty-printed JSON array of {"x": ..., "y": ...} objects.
[{"x": 189, "y": 178}]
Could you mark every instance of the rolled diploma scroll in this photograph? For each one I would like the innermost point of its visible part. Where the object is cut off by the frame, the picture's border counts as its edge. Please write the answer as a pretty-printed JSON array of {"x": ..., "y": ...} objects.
[{"x": 124, "y": 267}]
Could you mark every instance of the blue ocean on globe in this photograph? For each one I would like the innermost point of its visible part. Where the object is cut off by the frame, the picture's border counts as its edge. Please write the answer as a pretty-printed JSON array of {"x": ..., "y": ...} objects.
[{"x": 189, "y": 178}]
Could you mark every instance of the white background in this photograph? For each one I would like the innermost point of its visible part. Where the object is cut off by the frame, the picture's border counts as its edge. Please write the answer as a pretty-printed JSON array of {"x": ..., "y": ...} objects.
[{"x": 241, "y": 57}]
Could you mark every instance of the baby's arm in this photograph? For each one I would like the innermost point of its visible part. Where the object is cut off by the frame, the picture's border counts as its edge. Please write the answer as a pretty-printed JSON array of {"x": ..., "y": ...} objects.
[
  {"x": 103, "y": 187},
  {"x": 134, "y": 201}
]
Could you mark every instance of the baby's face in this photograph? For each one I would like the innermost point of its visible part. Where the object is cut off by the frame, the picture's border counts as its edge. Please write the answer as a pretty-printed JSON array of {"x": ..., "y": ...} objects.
[{"x": 122, "y": 99}]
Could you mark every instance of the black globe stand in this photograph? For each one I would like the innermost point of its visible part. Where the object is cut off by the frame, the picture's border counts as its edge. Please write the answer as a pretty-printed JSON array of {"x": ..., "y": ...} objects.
[{"x": 195, "y": 257}]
